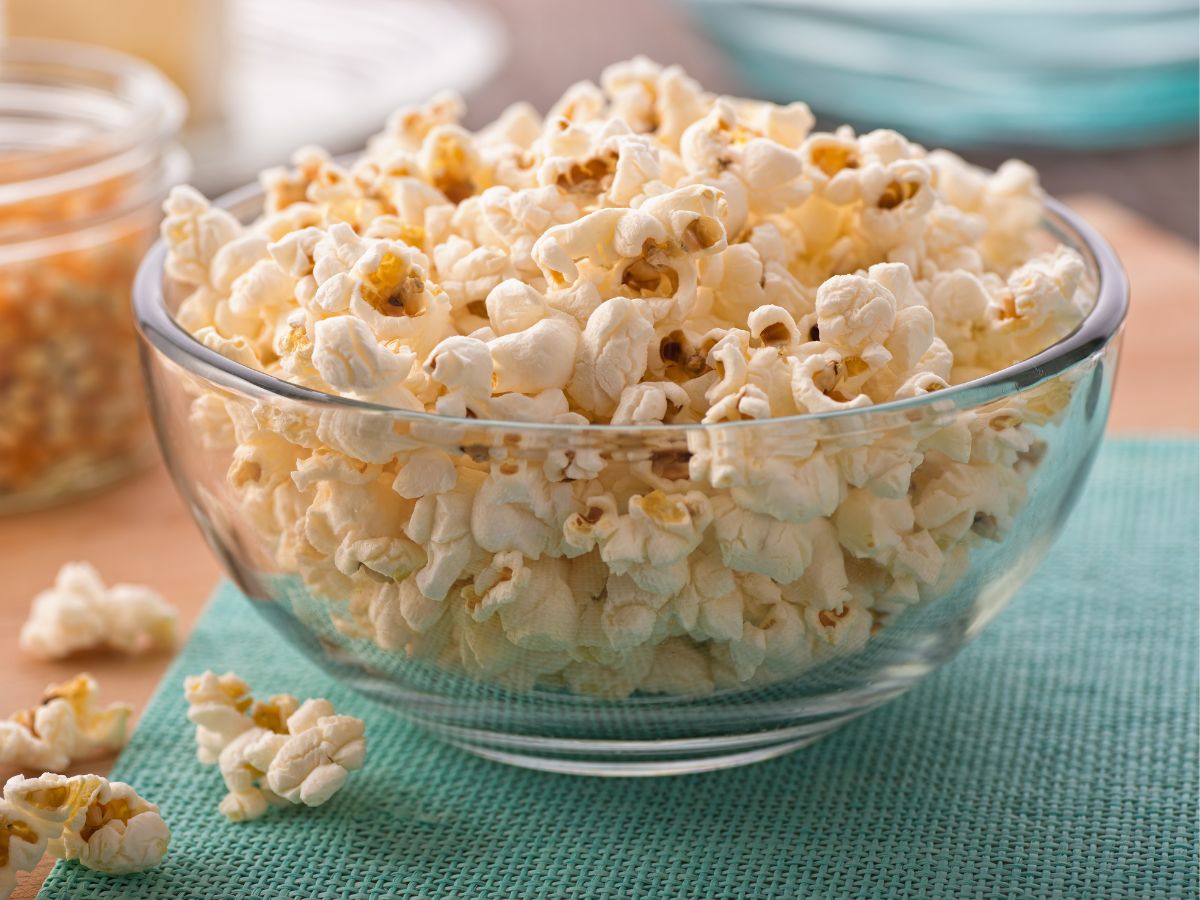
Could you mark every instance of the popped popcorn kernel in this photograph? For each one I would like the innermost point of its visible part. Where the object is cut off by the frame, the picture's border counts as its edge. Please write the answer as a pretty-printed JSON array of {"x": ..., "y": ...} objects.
[
  {"x": 392, "y": 289},
  {"x": 645, "y": 256},
  {"x": 67, "y": 726},
  {"x": 80, "y": 613},
  {"x": 22, "y": 845},
  {"x": 120, "y": 832},
  {"x": 271, "y": 752},
  {"x": 105, "y": 825}
]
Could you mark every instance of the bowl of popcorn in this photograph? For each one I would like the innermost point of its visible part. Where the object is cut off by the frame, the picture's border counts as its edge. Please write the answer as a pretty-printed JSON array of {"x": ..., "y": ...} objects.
[{"x": 657, "y": 434}]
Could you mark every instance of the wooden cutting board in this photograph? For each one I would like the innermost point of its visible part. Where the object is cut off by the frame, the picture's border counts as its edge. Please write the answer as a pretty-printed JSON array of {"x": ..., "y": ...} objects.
[{"x": 141, "y": 532}]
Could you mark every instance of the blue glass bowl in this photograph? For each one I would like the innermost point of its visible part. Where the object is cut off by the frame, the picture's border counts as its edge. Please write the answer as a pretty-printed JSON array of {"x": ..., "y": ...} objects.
[{"x": 1059, "y": 74}]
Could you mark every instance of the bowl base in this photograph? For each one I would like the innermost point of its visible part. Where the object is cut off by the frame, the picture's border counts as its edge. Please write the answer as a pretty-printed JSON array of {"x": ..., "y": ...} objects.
[{"x": 639, "y": 759}]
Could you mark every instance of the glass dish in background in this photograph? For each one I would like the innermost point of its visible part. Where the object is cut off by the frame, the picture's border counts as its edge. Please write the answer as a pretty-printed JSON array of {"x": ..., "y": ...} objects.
[
  {"x": 87, "y": 154},
  {"x": 1064, "y": 73},
  {"x": 233, "y": 437}
]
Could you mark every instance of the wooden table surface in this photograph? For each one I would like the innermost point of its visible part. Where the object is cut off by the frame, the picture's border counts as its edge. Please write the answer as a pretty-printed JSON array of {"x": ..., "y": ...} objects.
[{"x": 141, "y": 532}]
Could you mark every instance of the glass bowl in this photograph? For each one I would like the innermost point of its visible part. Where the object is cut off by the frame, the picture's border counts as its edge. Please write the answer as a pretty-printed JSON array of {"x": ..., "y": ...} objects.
[{"x": 775, "y": 578}]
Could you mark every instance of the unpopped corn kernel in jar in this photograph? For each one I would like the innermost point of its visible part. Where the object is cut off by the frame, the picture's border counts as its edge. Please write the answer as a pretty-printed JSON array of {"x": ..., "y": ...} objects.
[{"x": 77, "y": 212}]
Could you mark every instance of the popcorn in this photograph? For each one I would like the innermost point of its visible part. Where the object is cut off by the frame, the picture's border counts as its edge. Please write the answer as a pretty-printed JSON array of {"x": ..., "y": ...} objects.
[
  {"x": 752, "y": 542},
  {"x": 613, "y": 353},
  {"x": 195, "y": 233},
  {"x": 647, "y": 257},
  {"x": 120, "y": 833},
  {"x": 66, "y": 727},
  {"x": 312, "y": 764},
  {"x": 218, "y": 707},
  {"x": 22, "y": 845},
  {"x": 653, "y": 541},
  {"x": 272, "y": 752},
  {"x": 80, "y": 613},
  {"x": 105, "y": 825},
  {"x": 535, "y": 359}
]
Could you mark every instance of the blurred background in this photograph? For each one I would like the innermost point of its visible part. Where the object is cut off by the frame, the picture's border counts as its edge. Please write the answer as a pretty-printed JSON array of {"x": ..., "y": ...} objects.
[{"x": 1100, "y": 96}]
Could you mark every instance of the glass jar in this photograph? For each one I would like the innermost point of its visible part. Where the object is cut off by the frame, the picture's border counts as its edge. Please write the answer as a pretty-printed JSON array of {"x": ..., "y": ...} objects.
[{"x": 87, "y": 153}]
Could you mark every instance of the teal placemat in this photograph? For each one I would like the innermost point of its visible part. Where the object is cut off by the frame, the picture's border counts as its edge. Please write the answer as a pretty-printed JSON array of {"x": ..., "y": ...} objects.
[{"x": 1055, "y": 758}]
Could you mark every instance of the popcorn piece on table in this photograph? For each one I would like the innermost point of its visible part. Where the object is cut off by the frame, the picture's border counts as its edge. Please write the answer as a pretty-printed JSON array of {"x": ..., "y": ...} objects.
[
  {"x": 66, "y": 727},
  {"x": 275, "y": 752},
  {"x": 218, "y": 707},
  {"x": 80, "y": 613},
  {"x": 23, "y": 839},
  {"x": 105, "y": 825},
  {"x": 120, "y": 832}
]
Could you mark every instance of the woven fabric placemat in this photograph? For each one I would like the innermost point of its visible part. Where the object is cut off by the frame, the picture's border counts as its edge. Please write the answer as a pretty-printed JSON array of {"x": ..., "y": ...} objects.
[{"x": 1055, "y": 758}]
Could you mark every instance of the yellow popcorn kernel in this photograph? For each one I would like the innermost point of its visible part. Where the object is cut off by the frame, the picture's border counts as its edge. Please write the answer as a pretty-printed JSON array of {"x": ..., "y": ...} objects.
[
  {"x": 589, "y": 177},
  {"x": 896, "y": 193},
  {"x": 413, "y": 235},
  {"x": 450, "y": 171},
  {"x": 78, "y": 692},
  {"x": 855, "y": 366},
  {"x": 651, "y": 273},
  {"x": 236, "y": 690},
  {"x": 701, "y": 234},
  {"x": 100, "y": 814},
  {"x": 273, "y": 713},
  {"x": 661, "y": 508},
  {"x": 831, "y": 617},
  {"x": 682, "y": 358},
  {"x": 393, "y": 289},
  {"x": 590, "y": 517},
  {"x": 775, "y": 334},
  {"x": 670, "y": 464},
  {"x": 832, "y": 158},
  {"x": 10, "y": 829}
]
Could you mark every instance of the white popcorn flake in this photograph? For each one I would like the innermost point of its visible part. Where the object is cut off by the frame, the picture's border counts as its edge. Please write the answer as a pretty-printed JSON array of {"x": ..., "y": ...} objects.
[
  {"x": 536, "y": 359},
  {"x": 649, "y": 402},
  {"x": 22, "y": 845},
  {"x": 312, "y": 764},
  {"x": 845, "y": 628},
  {"x": 120, "y": 833},
  {"x": 346, "y": 354},
  {"x": 195, "y": 232},
  {"x": 649, "y": 257},
  {"x": 613, "y": 354},
  {"x": 423, "y": 473},
  {"x": 104, "y": 825},
  {"x": 582, "y": 531},
  {"x": 80, "y": 613},
  {"x": 752, "y": 542},
  {"x": 272, "y": 752},
  {"x": 652, "y": 542},
  {"x": 516, "y": 508},
  {"x": 67, "y": 726},
  {"x": 218, "y": 706}
]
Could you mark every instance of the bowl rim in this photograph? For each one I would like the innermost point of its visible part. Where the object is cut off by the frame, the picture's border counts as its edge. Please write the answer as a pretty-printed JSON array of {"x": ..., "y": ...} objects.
[{"x": 159, "y": 330}]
